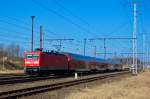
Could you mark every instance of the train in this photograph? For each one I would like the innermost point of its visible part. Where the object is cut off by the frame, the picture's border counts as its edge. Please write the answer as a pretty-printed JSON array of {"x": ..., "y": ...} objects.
[{"x": 50, "y": 62}]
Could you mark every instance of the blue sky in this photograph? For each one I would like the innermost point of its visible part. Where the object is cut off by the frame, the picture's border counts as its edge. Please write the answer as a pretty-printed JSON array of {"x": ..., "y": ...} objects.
[{"x": 77, "y": 19}]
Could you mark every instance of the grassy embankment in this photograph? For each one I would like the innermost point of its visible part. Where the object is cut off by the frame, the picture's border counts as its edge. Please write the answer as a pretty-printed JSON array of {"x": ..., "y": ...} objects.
[
  {"x": 11, "y": 65},
  {"x": 136, "y": 87}
]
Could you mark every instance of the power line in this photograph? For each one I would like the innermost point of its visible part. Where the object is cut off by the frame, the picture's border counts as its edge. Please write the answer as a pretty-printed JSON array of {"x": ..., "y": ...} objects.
[
  {"x": 69, "y": 12},
  {"x": 15, "y": 19},
  {"x": 16, "y": 25},
  {"x": 25, "y": 23},
  {"x": 48, "y": 31},
  {"x": 145, "y": 42},
  {"x": 62, "y": 16},
  {"x": 9, "y": 38},
  {"x": 59, "y": 46},
  {"x": 5, "y": 32},
  {"x": 13, "y": 24},
  {"x": 104, "y": 41},
  {"x": 12, "y": 40}
]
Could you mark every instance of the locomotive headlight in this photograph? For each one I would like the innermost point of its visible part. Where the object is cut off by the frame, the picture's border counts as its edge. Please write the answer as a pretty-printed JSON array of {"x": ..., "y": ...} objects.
[
  {"x": 27, "y": 62},
  {"x": 36, "y": 62}
]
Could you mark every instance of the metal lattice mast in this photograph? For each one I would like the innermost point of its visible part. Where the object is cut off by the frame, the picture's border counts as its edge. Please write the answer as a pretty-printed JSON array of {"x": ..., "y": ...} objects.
[
  {"x": 143, "y": 66},
  {"x": 84, "y": 52},
  {"x": 147, "y": 60},
  {"x": 95, "y": 51},
  {"x": 41, "y": 38},
  {"x": 134, "y": 65}
]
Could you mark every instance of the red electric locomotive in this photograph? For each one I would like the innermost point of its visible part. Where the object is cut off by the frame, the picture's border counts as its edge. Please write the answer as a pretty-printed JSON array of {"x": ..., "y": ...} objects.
[
  {"x": 39, "y": 62},
  {"x": 45, "y": 62}
]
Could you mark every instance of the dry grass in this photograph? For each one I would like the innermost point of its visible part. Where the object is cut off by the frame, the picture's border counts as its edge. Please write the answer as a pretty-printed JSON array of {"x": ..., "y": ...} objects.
[
  {"x": 136, "y": 87},
  {"x": 11, "y": 72},
  {"x": 64, "y": 92},
  {"x": 120, "y": 87}
]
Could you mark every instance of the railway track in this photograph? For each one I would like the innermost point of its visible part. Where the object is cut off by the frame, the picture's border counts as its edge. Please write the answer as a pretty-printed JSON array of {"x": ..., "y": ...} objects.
[
  {"x": 13, "y": 74},
  {"x": 11, "y": 79},
  {"x": 39, "y": 89},
  {"x": 23, "y": 79},
  {"x": 7, "y": 76}
]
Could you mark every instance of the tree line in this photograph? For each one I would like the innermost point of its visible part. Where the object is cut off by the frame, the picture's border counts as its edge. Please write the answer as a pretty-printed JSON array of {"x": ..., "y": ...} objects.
[{"x": 11, "y": 51}]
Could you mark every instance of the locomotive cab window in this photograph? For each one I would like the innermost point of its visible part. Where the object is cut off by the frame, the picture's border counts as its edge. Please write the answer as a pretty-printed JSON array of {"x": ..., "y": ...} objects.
[
  {"x": 32, "y": 56},
  {"x": 35, "y": 56},
  {"x": 29, "y": 56}
]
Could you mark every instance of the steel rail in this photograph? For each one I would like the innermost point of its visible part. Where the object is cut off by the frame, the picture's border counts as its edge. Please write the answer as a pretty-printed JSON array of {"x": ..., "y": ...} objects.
[
  {"x": 16, "y": 80},
  {"x": 12, "y": 77}
]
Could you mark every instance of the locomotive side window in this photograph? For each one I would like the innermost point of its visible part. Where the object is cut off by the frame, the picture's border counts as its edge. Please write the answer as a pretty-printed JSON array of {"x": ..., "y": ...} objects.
[{"x": 32, "y": 56}]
